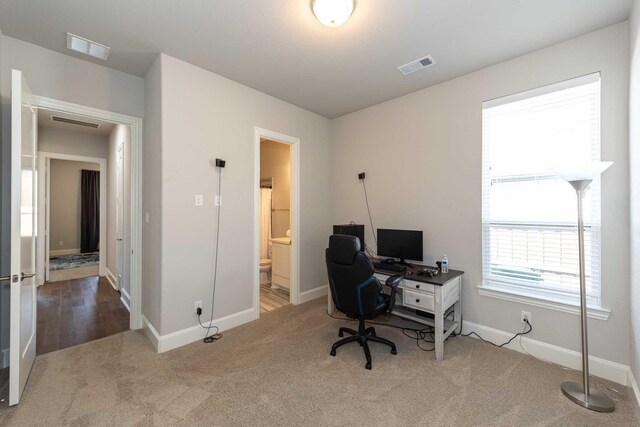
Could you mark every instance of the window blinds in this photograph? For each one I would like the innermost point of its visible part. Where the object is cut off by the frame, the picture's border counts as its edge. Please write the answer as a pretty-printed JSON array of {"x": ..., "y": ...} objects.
[{"x": 530, "y": 242}]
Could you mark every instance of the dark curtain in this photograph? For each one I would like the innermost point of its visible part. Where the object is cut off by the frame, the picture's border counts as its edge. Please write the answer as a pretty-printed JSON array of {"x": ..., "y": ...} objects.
[{"x": 90, "y": 211}]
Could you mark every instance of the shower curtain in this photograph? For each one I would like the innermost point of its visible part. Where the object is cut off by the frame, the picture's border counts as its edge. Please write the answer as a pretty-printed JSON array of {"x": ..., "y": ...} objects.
[{"x": 265, "y": 222}]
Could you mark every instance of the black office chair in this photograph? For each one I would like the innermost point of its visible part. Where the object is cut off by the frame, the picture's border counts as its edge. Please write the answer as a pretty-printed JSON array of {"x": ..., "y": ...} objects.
[{"x": 356, "y": 292}]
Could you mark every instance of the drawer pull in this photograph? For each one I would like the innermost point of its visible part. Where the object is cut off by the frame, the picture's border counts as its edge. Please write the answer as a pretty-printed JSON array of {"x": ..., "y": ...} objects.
[
  {"x": 417, "y": 286},
  {"x": 417, "y": 300}
]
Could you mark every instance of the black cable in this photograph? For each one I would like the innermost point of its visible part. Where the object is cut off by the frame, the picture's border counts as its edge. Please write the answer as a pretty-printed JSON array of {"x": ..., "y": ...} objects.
[
  {"x": 366, "y": 199},
  {"x": 524, "y": 332},
  {"x": 216, "y": 335}
]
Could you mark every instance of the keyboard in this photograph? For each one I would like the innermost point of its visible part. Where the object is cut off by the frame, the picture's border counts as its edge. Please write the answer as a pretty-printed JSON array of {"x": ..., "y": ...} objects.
[{"x": 390, "y": 267}]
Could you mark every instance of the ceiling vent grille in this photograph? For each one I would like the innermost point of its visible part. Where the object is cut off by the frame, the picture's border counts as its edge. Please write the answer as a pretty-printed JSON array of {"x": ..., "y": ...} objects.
[
  {"x": 417, "y": 65},
  {"x": 75, "y": 122}
]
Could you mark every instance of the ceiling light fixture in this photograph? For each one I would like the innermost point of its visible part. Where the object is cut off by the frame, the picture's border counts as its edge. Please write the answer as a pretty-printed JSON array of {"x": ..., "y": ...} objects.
[
  {"x": 332, "y": 13},
  {"x": 87, "y": 47}
]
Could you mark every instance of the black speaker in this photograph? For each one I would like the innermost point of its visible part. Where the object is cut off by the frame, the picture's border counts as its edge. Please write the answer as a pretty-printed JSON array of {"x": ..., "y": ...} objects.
[{"x": 351, "y": 230}]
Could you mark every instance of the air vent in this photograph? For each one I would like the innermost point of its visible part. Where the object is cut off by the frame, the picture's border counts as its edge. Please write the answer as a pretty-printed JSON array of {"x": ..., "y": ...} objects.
[
  {"x": 416, "y": 65},
  {"x": 75, "y": 122}
]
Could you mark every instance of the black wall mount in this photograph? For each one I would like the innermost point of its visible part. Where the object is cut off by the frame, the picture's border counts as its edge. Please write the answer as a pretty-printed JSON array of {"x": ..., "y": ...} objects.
[
  {"x": 220, "y": 163},
  {"x": 361, "y": 175}
]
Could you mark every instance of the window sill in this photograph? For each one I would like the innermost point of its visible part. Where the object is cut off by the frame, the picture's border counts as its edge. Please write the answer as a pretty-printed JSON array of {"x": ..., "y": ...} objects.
[{"x": 564, "y": 306}]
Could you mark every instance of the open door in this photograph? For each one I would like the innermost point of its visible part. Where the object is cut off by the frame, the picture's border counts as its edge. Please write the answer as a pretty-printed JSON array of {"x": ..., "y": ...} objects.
[
  {"x": 120, "y": 216},
  {"x": 22, "y": 350}
]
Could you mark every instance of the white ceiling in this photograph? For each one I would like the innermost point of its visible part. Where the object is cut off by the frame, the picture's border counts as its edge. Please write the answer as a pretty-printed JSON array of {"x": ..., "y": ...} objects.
[
  {"x": 45, "y": 120},
  {"x": 278, "y": 47}
]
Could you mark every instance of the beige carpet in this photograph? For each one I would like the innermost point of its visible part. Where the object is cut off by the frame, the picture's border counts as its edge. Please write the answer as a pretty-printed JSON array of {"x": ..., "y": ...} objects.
[{"x": 277, "y": 371}]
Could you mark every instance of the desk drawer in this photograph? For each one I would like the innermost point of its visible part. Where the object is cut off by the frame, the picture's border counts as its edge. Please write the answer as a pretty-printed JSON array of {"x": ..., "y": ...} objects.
[
  {"x": 418, "y": 300},
  {"x": 417, "y": 286}
]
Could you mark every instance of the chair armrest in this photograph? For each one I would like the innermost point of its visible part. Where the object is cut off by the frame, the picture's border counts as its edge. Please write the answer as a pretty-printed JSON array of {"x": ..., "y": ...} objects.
[{"x": 393, "y": 283}]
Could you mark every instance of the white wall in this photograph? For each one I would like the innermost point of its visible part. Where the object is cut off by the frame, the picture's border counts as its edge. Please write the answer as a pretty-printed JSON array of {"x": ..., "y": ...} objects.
[
  {"x": 422, "y": 154},
  {"x": 120, "y": 134},
  {"x": 63, "y": 141},
  {"x": 65, "y": 203},
  {"x": 634, "y": 169},
  {"x": 205, "y": 116}
]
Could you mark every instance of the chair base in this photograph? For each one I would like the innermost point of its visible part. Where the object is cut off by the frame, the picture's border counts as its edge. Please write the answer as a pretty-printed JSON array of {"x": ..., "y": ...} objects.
[{"x": 362, "y": 336}]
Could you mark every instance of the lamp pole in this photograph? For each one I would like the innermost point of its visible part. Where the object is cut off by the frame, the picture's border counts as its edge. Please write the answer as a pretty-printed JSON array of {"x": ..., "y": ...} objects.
[{"x": 583, "y": 394}]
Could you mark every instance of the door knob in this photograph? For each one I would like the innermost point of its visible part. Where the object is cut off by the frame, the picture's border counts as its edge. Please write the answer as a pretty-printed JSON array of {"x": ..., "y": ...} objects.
[{"x": 26, "y": 276}]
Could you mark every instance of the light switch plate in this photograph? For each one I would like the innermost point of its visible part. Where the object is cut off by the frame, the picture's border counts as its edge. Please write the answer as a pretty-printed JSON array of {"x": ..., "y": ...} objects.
[
  {"x": 218, "y": 201},
  {"x": 199, "y": 200},
  {"x": 146, "y": 217}
]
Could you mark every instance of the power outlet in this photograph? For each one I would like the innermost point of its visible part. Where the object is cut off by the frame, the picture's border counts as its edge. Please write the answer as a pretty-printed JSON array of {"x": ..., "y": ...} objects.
[
  {"x": 525, "y": 315},
  {"x": 197, "y": 305}
]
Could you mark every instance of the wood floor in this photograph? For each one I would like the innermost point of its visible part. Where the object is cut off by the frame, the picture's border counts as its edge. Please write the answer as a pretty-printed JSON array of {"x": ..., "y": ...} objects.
[
  {"x": 272, "y": 299},
  {"x": 72, "y": 312}
]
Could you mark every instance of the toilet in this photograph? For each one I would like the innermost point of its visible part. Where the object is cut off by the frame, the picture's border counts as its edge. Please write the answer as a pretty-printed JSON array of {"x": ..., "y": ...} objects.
[{"x": 265, "y": 271}]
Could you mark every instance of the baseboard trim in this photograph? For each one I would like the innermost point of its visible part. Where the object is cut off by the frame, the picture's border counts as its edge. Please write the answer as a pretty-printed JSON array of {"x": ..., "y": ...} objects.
[
  {"x": 632, "y": 383},
  {"x": 125, "y": 298},
  {"x": 603, "y": 368},
  {"x": 150, "y": 332},
  {"x": 186, "y": 336},
  {"x": 63, "y": 252},
  {"x": 4, "y": 358},
  {"x": 312, "y": 294},
  {"x": 112, "y": 279}
]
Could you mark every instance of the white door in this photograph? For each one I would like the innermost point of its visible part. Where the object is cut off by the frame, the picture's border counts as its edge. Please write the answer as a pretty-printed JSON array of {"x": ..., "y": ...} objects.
[
  {"x": 22, "y": 350},
  {"x": 120, "y": 216}
]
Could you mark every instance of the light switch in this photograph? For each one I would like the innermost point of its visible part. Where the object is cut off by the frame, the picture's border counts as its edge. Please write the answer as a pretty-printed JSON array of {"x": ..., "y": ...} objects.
[
  {"x": 199, "y": 200},
  {"x": 146, "y": 217}
]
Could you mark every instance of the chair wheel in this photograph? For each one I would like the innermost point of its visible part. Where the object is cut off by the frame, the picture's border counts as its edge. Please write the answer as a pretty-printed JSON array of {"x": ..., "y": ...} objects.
[
  {"x": 333, "y": 352},
  {"x": 394, "y": 351},
  {"x": 368, "y": 366},
  {"x": 340, "y": 334}
]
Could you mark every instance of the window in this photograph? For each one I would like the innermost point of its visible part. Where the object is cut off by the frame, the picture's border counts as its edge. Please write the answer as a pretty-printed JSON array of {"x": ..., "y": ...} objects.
[{"x": 530, "y": 242}]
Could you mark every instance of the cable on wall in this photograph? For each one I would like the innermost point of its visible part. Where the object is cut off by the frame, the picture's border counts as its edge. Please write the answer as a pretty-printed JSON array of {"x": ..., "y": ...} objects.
[
  {"x": 216, "y": 335},
  {"x": 361, "y": 177}
]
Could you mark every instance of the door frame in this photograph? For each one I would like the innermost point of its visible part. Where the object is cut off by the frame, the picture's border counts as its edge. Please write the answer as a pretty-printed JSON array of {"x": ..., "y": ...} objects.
[
  {"x": 44, "y": 201},
  {"x": 294, "y": 144},
  {"x": 135, "y": 202}
]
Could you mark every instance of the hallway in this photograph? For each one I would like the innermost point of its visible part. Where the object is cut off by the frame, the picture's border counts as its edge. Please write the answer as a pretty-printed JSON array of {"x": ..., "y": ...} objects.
[{"x": 76, "y": 311}]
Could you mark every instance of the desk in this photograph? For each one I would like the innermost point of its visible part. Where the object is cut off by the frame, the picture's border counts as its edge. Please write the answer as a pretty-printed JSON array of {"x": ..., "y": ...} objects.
[{"x": 434, "y": 295}]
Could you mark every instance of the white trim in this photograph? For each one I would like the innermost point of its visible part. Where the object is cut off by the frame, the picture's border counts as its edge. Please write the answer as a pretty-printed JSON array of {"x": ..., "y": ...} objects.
[
  {"x": 135, "y": 272},
  {"x": 598, "y": 313},
  {"x": 150, "y": 332},
  {"x": 542, "y": 90},
  {"x": 186, "y": 336},
  {"x": 125, "y": 298},
  {"x": 311, "y": 294},
  {"x": 103, "y": 200},
  {"x": 294, "y": 289},
  {"x": 62, "y": 252},
  {"x": 111, "y": 278},
  {"x": 4, "y": 358},
  {"x": 603, "y": 368},
  {"x": 631, "y": 382}
]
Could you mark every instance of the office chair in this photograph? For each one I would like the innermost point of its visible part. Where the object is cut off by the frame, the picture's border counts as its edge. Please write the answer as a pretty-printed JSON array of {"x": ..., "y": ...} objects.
[{"x": 356, "y": 292}]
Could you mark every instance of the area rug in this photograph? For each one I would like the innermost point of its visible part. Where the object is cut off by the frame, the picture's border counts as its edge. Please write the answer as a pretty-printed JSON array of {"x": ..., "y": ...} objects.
[{"x": 73, "y": 261}]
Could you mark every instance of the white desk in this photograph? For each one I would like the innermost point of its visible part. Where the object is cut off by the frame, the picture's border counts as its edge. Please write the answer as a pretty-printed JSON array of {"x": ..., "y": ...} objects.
[{"x": 434, "y": 295}]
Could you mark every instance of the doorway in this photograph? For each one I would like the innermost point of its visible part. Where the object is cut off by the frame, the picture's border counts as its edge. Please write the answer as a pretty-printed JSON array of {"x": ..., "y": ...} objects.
[
  {"x": 84, "y": 291},
  {"x": 276, "y": 253}
]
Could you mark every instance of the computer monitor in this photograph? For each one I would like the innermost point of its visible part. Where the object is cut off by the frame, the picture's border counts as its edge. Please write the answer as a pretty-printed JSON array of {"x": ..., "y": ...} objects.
[{"x": 402, "y": 244}]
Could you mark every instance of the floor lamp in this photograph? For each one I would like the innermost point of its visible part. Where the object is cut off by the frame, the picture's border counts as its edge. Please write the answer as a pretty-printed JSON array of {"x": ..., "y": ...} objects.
[{"x": 582, "y": 394}]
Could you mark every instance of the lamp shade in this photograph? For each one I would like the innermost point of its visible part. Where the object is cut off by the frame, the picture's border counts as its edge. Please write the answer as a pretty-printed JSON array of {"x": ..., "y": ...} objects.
[
  {"x": 581, "y": 172},
  {"x": 332, "y": 13}
]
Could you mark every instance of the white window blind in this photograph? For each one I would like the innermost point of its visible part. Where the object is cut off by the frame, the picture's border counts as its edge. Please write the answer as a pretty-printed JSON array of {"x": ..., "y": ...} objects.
[{"x": 530, "y": 242}]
